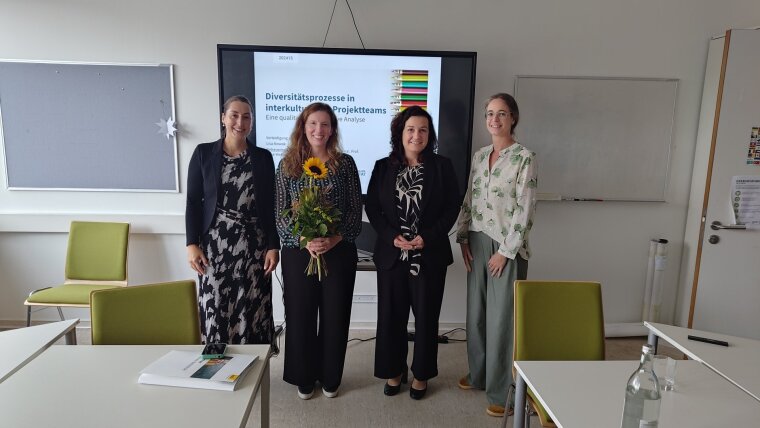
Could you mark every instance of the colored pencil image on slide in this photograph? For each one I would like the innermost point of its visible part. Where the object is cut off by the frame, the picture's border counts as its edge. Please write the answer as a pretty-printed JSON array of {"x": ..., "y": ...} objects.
[{"x": 408, "y": 88}]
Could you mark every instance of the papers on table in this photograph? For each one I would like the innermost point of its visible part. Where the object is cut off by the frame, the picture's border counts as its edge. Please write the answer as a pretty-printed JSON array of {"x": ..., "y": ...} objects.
[{"x": 188, "y": 370}]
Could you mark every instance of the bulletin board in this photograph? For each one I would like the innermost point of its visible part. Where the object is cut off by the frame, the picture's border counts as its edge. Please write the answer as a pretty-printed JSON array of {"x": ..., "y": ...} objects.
[{"x": 88, "y": 127}]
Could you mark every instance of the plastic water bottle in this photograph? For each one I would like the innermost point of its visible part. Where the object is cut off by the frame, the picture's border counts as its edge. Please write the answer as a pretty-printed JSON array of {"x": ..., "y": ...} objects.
[{"x": 642, "y": 395}]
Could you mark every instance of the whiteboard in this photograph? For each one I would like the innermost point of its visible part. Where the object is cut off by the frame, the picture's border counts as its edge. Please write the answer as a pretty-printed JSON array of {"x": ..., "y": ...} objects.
[
  {"x": 84, "y": 126},
  {"x": 598, "y": 138}
]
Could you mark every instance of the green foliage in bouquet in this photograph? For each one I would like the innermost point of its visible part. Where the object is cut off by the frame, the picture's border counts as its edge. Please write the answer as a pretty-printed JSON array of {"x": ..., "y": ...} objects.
[{"x": 312, "y": 215}]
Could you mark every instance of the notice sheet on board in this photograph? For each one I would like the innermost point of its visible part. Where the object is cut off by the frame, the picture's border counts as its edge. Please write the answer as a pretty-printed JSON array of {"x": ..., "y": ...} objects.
[{"x": 745, "y": 199}]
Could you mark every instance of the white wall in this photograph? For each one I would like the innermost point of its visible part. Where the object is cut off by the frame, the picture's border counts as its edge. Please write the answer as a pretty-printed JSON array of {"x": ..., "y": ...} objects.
[{"x": 600, "y": 241}]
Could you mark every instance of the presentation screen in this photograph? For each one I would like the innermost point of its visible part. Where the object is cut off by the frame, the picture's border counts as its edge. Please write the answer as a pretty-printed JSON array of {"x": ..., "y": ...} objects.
[{"x": 365, "y": 88}]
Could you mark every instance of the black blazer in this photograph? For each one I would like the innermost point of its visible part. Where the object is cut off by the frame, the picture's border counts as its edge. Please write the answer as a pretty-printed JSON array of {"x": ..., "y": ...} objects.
[
  {"x": 439, "y": 211},
  {"x": 204, "y": 177}
]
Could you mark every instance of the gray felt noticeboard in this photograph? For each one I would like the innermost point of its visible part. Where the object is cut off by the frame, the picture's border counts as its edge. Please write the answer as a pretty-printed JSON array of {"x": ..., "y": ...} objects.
[
  {"x": 598, "y": 138},
  {"x": 80, "y": 126}
]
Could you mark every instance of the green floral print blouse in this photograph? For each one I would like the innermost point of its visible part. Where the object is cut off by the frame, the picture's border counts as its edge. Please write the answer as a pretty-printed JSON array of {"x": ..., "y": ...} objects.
[{"x": 500, "y": 201}]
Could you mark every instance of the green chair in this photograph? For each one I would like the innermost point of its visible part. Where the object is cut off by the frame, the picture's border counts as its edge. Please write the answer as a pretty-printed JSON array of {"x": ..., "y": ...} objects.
[
  {"x": 96, "y": 259},
  {"x": 153, "y": 314},
  {"x": 557, "y": 321}
]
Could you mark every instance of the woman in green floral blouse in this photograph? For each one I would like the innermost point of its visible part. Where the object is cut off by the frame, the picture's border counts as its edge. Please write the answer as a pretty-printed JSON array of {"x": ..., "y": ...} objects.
[{"x": 494, "y": 223}]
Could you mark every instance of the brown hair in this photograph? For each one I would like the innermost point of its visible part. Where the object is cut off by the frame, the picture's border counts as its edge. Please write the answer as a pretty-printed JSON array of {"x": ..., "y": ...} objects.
[
  {"x": 234, "y": 98},
  {"x": 299, "y": 149},
  {"x": 511, "y": 104}
]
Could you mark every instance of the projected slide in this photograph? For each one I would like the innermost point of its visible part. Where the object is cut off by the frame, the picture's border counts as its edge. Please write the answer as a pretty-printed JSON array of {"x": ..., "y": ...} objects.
[{"x": 365, "y": 92}]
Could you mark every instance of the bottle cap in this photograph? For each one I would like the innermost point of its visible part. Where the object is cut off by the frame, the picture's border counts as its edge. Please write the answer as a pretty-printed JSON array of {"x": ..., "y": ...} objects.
[{"x": 646, "y": 349}]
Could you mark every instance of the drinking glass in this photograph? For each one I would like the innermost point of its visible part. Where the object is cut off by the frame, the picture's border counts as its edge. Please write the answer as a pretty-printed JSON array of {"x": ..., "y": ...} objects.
[{"x": 665, "y": 369}]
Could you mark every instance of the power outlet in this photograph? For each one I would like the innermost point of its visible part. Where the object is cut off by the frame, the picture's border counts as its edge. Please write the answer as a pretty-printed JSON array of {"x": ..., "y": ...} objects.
[{"x": 365, "y": 298}]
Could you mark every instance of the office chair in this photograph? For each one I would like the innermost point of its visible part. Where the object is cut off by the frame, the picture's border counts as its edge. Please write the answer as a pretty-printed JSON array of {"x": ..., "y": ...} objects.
[
  {"x": 557, "y": 321},
  {"x": 152, "y": 314},
  {"x": 96, "y": 259}
]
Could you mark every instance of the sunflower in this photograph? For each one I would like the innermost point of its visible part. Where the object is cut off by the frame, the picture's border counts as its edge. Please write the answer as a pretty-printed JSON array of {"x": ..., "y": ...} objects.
[{"x": 313, "y": 167}]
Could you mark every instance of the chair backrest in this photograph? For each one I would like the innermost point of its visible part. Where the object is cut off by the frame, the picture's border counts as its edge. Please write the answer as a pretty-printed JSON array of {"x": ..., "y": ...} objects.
[
  {"x": 153, "y": 314},
  {"x": 97, "y": 253},
  {"x": 556, "y": 321}
]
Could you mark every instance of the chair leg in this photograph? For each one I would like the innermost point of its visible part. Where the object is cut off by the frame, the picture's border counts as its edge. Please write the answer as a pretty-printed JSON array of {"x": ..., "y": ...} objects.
[
  {"x": 28, "y": 316},
  {"x": 60, "y": 312}
]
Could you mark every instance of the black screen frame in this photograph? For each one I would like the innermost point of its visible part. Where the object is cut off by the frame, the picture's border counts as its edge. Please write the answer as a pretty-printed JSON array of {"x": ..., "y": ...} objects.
[{"x": 457, "y": 129}]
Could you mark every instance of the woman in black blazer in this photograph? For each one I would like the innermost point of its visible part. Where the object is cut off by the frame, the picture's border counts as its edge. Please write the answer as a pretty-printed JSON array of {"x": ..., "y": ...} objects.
[
  {"x": 232, "y": 242},
  {"x": 412, "y": 202}
]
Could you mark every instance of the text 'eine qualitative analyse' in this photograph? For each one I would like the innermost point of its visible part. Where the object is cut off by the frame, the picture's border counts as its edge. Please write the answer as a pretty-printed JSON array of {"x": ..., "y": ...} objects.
[{"x": 304, "y": 99}]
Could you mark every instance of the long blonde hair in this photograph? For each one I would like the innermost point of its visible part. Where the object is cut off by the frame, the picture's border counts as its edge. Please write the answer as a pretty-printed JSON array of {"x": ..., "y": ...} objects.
[{"x": 299, "y": 149}]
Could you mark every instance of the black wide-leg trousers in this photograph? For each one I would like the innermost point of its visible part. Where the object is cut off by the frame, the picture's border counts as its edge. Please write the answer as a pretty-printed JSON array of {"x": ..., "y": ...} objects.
[
  {"x": 317, "y": 315},
  {"x": 397, "y": 290}
]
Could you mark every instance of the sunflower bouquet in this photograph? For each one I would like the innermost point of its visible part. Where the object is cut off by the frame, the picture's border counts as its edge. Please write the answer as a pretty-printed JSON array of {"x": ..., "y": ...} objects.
[{"x": 312, "y": 214}]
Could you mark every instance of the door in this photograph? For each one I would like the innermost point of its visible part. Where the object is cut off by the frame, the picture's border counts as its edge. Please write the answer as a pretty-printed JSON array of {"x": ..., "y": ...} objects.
[{"x": 726, "y": 288}]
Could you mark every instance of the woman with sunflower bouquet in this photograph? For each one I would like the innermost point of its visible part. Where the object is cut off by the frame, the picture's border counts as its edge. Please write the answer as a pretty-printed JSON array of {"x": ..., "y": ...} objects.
[{"x": 319, "y": 212}]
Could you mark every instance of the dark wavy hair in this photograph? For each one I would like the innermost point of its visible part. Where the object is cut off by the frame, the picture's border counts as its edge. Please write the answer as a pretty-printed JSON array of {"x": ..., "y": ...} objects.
[
  {"x": 299, "y": 149},
  {"x": 511, "y": 104},
  {"x": 397, "y": 132}
]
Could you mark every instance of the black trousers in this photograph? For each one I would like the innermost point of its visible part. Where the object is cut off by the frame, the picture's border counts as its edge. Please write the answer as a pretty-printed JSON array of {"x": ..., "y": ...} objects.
[
  {"x": 397, "y": 290},
  {"x": 317, "y": 315}
]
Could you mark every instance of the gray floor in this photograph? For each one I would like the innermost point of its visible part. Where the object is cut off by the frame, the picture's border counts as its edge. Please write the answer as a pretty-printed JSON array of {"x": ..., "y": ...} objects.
[{"x": 361, "y": 402}]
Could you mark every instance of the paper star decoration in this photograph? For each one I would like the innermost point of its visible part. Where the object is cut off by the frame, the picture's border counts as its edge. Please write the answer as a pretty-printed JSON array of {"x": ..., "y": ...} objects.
[{"x": 166, "y": 127}]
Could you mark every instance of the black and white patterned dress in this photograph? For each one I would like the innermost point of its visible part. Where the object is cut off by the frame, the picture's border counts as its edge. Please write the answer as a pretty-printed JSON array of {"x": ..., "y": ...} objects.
[
  {"x": 408, "y": 198},
  {"x": 235, "y": 298}
]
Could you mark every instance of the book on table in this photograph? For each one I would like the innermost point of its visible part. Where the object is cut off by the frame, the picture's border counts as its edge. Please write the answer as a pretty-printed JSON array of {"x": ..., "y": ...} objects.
[{"x": 187, "y": 369}]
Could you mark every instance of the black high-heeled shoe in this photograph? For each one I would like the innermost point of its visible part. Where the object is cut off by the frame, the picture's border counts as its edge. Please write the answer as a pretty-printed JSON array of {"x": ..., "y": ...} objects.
[
  {"x": 391, "y": 390},
  {"x": 417, "y": 394}
]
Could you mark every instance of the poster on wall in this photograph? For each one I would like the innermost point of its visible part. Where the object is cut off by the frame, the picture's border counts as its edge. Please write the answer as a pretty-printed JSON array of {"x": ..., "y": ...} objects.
[
  {"x": 753, "y": 154},
  {"x": 745, "y": 199}
]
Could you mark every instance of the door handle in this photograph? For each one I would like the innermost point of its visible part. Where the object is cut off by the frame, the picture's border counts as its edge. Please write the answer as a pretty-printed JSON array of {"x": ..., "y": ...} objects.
[{"x": 716, "y": 225}]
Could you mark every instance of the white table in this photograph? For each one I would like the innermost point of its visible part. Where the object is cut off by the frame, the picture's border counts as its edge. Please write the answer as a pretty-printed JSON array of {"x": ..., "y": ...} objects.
[
  {"x": 96, "y": 386},
  {"x": 739, "y": 362},
  {"x": 21, "y": 345},
  {"x": 582, "y": 394}
]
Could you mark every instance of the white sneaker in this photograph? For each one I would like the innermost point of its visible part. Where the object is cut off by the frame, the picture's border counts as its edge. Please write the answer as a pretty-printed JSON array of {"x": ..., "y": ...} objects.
[
  {"x": 303, "y": 394},
  {"x": 329, "y": 394}
]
